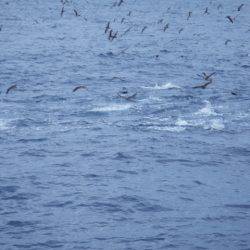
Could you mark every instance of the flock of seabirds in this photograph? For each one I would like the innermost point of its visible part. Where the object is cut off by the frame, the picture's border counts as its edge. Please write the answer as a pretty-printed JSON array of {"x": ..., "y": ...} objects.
[{"x": 111, "y": 35}]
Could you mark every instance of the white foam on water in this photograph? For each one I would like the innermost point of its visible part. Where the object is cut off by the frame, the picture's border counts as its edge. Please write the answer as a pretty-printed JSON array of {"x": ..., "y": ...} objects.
[
  {"x": 151, "y": 99},
  {"x": 168, "y": 85},
  {"x": 3, "y": 125},
  {"x": 155, "y": 98},
  {"x": 169, "y": 128},
  {"x": 181, "y": 122},
  {"x": 207, "y": 110},
  {"x": 217, "y": 124},
  {"x": 165, "y": 119},
  {"x": 112, "y": 107}
]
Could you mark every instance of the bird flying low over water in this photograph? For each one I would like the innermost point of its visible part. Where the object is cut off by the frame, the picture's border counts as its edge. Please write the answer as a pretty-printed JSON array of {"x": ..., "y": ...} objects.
[
  {"x": 112, "y": 36},
  {"x": 231, "y": 19},
  {"x": 227, "y": 41},
  {"x": 240, "y": 7},
  {"x": 76, "y": 13},
  {"x": 62, "y": 11},
  {"x": 206, "y": 11},
  {"x": 121, "y": 1},
  {"x": 189, "y": 14},
  {"x": 79, "y": 87},
  {"x": 166, "y": 27},
  {"x": 143, "y": 29},
  {"x": 125, "y": 94},
  {"x": 180, "y": 30},
  {"x": 107, "y": 27},
  {"x": 204, "y": 85},
  {"x": 206, "y": 76},
  {"x": 12, "y": 87}
]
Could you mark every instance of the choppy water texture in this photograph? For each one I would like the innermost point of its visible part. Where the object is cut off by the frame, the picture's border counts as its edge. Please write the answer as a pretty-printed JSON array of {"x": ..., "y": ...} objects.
[{"x": 89, "y": 170}]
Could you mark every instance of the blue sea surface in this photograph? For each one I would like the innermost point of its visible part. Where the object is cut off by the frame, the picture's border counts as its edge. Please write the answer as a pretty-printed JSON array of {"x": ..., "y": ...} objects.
[{"x": 168, "y": 169}]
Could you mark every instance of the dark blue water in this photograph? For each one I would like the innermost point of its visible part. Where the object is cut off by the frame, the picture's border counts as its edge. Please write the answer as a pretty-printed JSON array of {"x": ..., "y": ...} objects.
[{"x": 89, "y": 170}]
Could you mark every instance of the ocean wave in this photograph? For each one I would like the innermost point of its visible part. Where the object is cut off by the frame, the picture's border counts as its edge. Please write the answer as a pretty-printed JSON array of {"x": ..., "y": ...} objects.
[
  {"x": 169, "y": 128},
  {"x": 168, "y": 85},
  {"x": 112, "y": 107},
  {"x": 181, "y": 122},
  {"x": 217, "y": 124},
  {"x": 207, "y": 110}
]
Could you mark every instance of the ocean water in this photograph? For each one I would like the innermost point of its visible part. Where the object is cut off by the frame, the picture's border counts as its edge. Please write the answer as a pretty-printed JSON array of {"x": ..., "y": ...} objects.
[{"x": 169, "y": 169}]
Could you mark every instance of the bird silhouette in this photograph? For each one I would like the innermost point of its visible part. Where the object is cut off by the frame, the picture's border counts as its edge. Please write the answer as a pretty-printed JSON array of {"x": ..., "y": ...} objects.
[
  {"x": 12, "y": 87},
  {"x": 166, "y": 27},
  {"x": 231, "y": 19},
  {"x": 62, "y": 11},
  {"x": 204, "y": 85},
  {"x": 76, "y": 13},
  {"x": 180, "y": 30},
  {"x": 227, "y": 41},
  {"x": 143, "y": 29},
  {"x": 107, "y": 27},
  {"x": 121, "y": 1},
  {"x": 240, "y": 7},
  {"x": 206, "y": 11},
  {"x": 79, "y": 87}
]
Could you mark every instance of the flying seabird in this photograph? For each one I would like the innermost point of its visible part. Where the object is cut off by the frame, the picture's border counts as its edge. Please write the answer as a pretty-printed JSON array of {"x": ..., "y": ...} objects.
[
  {"x": 119, "y": 4},
  {"x": 115, "y": 35},
  {"x": 206, "y": 11},
  {"x": 205, "y": 76},
  {"x": 204, "y": 85},
  {"x": 180, "y": 30},
  {"x": 111, "y": 36},
  {"x": 124, "y": 91},
  {"x": 231, "y": 19},
  {"x": 76, "y": 13},
  {"x": 62, "y": 11},
  {"x": 239, "y": 8},
  {"x": 125, "y": 94},
  {"x": 166, "y": 27},
  {"x": 189, "y": 14},
  {"x": 143, "y": 29},
  {"x": 227, "y": 41},
  {"x": 79, "y": 87},
  {"x": 107, "y": 27},
  {"x": 14, "y": 86}
]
